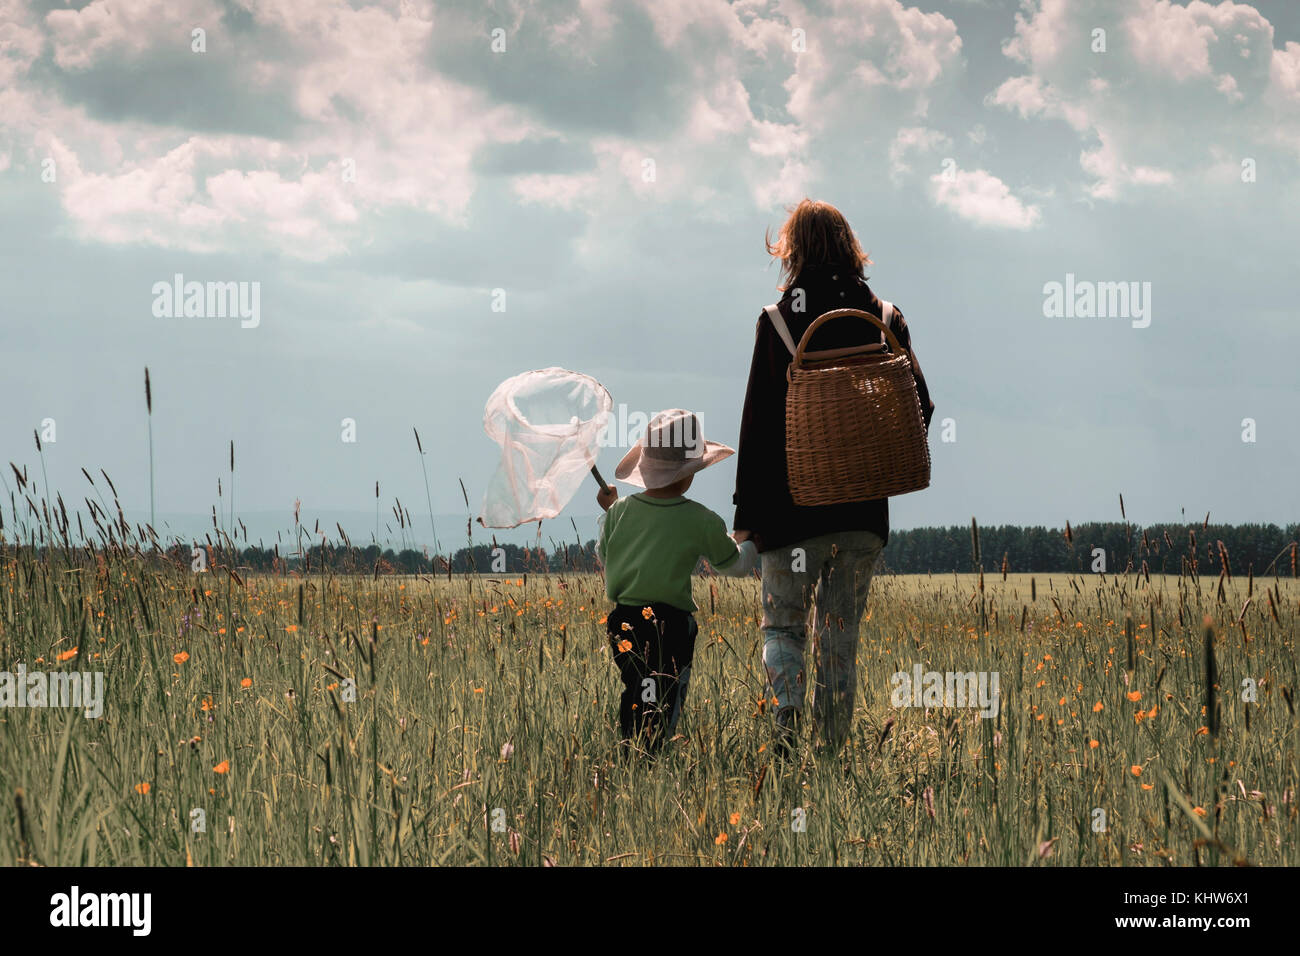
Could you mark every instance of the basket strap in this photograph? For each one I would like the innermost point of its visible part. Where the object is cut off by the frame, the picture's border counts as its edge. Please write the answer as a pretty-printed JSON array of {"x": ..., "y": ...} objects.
[
  {"x": 800, "y": 352},
  {"x": 783, "y": 330},
  {"x": 774, "y": 313}
]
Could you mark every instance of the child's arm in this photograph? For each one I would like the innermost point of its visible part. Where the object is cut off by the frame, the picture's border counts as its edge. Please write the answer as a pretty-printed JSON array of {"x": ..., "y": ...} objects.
[
  {"x": 605, "y": 498},
  {"x": 724, "y": 554}
]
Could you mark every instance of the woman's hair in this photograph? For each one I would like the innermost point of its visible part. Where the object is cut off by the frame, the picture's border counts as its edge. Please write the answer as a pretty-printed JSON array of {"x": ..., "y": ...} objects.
[{"x": 815, "y": 234}]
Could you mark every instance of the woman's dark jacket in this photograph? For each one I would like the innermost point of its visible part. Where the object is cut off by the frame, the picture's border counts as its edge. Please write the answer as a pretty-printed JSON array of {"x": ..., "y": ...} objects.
[{"x": 763, "y": 503}]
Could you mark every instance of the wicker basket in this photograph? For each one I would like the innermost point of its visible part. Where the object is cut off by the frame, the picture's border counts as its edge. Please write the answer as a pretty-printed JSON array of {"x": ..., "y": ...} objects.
[{"x": 853, "y": 423}]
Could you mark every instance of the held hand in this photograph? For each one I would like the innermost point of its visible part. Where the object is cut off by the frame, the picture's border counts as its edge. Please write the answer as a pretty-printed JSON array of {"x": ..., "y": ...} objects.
[
  {"x": 740, "y": 536},
  {"x": 606, "y": 497}
]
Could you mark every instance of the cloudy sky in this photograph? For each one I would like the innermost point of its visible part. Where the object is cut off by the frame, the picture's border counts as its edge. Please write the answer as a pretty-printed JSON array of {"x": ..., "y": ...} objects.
[{"x": 382, "y": 171}]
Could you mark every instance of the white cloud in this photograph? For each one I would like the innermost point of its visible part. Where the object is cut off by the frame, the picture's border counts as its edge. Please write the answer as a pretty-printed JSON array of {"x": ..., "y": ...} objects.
[
  {"x": 777, "y": 139},
  {"x": 865, "y": 55},
  {"x": 1110, "y": 172},
  {"x": 980, "y": 197},
  {"x": 1027, "y": 95},
  {"x": 365, "y": 99},
  {"x": 1174, "y": 84},
  {"x": 1285, "y": 72},
  {"x": 723, "y": 112},
  {"x": 155, "y": 202},
  {"x": 788, "y": 185},
  {"x": 128, "y": 31},
  {"x": 560, "y": 190},
  {"x": 362, "y": 93},
  {"x": 914, "y": 139},
  {"x": 21, "y": 41}
]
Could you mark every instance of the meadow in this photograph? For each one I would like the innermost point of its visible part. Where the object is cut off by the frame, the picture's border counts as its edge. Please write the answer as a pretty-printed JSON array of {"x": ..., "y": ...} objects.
[{"x": 323, "y": 719}]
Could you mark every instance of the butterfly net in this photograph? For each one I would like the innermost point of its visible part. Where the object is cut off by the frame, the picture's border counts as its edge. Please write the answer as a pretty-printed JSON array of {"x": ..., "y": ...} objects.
[{"x": 548, "y": 425}]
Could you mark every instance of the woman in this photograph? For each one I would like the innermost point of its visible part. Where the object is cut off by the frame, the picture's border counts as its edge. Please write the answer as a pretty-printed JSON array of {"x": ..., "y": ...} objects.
[{"x": 822, "y": 554}]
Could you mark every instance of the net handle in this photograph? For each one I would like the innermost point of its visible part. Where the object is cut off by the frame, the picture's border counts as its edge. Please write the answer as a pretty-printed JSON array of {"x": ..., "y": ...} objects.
[{"x": 894, "y": 346}]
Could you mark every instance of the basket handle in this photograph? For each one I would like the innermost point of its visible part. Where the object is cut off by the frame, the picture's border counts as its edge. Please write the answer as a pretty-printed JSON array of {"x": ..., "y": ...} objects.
[{"x": 825, "y": 317}]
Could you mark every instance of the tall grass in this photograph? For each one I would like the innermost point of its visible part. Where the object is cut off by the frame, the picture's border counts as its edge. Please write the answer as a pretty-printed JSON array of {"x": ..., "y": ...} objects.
[
  {"x": 361, "y": 719},
  {"x": 437, "y": 548},
  {"x": 358, "y": 719},
  {"x": 148, "y": 404}
]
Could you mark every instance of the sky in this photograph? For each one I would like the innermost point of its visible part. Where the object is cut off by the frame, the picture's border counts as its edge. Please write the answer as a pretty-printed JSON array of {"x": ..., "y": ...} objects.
[{"x": 428, "y": 198}]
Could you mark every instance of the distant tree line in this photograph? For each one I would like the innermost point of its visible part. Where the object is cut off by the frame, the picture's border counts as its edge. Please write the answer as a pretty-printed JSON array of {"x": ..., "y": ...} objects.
[
  {"x": 1109, "y": 547},
  {"x": 1159, "y": 548},
  {"x": 345, "y": 559}
]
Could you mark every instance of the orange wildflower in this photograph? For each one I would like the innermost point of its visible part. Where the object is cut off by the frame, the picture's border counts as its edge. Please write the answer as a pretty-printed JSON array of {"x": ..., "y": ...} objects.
[{"x": 223, "y": 767}]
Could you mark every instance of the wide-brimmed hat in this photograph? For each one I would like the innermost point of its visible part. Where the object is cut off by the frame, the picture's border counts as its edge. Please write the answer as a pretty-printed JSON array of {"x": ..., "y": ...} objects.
[{"x": 672, "y": 447}]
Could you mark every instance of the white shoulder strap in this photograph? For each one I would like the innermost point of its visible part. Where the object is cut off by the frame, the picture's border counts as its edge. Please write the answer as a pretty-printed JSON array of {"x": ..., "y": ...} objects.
[{"x": 774, "y": 313}]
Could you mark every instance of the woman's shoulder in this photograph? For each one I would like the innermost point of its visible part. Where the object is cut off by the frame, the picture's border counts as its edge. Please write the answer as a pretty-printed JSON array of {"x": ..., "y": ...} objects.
[{"x": 877, "y": 306}]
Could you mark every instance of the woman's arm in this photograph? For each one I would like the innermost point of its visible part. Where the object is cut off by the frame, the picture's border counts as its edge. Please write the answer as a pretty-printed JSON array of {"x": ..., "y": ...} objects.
[
  {"x": 745, "y": 564},
  {"x": 904, "y": 335},
  {"x": 751, "y": 445}
]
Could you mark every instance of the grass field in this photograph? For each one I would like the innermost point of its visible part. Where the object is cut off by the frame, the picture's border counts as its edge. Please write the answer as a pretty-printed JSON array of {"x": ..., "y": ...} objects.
[{"x": 483, "y": 726}]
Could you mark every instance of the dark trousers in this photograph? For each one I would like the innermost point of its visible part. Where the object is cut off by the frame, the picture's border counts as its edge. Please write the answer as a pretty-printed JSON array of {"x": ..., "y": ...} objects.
[{"x": 653, "y": 655}]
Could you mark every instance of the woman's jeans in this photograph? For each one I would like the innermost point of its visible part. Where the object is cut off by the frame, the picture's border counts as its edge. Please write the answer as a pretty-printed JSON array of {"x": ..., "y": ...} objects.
[{"x": 832, "y": 573}]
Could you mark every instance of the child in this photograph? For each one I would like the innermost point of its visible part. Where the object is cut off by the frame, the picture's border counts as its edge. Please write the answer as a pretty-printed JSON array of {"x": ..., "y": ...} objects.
[{"x": 650, "y": 543}]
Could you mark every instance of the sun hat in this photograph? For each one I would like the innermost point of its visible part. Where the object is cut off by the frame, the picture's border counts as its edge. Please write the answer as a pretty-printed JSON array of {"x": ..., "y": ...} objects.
[{"x": 672, "y": 447}]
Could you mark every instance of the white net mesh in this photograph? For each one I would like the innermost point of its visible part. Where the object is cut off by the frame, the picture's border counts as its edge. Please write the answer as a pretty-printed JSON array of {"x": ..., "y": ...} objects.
[{"x": 548, "y": 424}]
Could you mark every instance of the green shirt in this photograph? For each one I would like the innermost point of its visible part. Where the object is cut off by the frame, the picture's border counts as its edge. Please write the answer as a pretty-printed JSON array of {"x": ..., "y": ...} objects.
[{"x": 650, "y": 546}]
